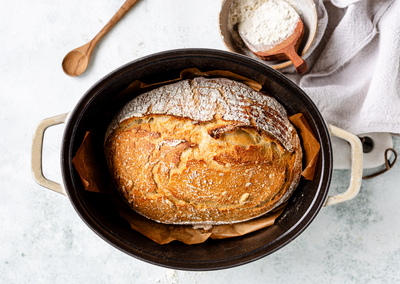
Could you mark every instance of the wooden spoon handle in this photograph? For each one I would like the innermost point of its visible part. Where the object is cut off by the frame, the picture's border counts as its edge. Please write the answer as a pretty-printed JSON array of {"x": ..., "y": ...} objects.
[
  {"x": 120, "y": 13},
  {"x": 298, "y": 62}
]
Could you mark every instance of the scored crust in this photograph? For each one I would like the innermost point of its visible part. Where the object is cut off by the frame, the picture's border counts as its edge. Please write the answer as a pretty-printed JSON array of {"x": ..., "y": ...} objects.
[{"x": 203, "y": 151}]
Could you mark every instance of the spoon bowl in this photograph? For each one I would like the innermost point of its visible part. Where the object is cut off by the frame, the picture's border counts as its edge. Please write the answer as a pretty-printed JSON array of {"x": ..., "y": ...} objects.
[
  {"x": 285, "y": 50},
  {"x": 75, "y": 63}
]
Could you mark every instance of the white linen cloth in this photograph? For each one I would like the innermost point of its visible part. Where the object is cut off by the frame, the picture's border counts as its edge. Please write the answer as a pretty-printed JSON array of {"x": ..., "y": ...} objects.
[{"x": 353, "y": 75}]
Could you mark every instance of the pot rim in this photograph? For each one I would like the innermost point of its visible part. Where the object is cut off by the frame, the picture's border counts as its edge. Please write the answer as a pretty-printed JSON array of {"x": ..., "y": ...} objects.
[{"x": 113, "y": 239}]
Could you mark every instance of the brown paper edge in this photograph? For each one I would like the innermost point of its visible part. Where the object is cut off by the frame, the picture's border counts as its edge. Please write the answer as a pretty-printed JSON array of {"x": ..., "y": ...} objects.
[{"x": 311, "y": 146}]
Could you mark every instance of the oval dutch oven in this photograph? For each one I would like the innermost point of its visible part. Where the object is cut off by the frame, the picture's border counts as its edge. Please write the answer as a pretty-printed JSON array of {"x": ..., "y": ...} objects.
[{"x": 98, "y": 213}]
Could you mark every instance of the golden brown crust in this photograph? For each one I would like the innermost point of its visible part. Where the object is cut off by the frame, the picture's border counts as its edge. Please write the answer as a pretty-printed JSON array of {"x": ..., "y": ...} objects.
[{"x": 178, "y": 170}]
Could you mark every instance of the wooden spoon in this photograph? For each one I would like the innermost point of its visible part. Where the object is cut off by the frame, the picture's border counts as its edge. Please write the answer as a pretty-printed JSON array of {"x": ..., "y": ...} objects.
[
  {"x": 286, "y": 50},
  {"x": 77, "y": 60}
]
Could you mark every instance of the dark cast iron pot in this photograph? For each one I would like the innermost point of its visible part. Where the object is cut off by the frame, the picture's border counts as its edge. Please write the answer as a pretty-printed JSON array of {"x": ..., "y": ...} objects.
[{"x": 101, "y": 216}]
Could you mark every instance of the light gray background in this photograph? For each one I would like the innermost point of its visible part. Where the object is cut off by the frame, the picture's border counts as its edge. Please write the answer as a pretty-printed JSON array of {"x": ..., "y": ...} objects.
[{"x": 43, "y": 240}]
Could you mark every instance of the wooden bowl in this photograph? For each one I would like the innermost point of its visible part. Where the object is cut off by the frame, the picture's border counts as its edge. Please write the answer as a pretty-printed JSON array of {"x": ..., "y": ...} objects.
[{"x": 308, "y": 14}]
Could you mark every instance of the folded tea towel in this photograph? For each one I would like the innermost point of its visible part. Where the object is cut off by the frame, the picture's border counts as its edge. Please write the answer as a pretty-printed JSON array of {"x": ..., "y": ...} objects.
[{"x": 353, "y": 75}]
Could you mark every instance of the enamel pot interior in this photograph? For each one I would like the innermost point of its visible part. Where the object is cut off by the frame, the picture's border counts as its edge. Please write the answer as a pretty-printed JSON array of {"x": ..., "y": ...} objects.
[{"x": 98, "y": 211}]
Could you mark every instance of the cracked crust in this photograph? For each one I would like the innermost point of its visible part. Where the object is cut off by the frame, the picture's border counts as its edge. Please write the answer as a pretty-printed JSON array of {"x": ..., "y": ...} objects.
[
  {"x": 180, "y": 169},
  {"x": 201, "y": 99}
]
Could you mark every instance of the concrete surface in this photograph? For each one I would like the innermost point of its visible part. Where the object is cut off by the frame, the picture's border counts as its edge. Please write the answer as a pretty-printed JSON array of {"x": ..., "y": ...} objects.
[{"x": 43, "y": 240}]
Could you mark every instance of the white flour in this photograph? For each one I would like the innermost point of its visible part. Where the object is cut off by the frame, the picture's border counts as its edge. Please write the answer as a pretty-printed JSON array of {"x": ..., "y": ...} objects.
[{"x": 263, "y": 22}]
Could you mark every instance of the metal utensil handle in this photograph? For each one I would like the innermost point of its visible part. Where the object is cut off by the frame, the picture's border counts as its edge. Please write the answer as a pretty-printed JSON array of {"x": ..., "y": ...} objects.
[
  {"x": 356, "y": 166},
  {"x": 37, "y": 151}
]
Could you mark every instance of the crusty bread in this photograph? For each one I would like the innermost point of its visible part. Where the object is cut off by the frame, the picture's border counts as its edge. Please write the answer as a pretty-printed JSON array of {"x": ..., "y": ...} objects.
[{"x": 203, "y": 151}]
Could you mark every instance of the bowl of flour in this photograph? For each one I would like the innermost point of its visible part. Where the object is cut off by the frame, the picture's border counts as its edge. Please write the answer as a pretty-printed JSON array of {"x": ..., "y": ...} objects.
[{"x": 266, "y": 22}]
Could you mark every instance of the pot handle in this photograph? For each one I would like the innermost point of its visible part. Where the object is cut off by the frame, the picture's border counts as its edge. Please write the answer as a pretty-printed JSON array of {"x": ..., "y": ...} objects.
[
  {"x": 356, "y": 166},
  {"x": 37, "y": 151}
]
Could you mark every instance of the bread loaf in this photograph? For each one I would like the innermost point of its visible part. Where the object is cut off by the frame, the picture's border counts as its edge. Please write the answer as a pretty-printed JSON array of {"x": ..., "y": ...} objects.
[{"x": 203, "y": 151}]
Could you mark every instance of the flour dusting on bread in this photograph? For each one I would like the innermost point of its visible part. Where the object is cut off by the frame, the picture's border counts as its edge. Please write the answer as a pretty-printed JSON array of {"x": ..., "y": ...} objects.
[{"x": 200, "y": 99}]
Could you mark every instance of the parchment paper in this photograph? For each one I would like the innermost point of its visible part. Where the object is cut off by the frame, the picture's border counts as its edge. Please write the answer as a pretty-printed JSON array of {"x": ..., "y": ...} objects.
[
  {"x": 310, "y": 145},
  {"x": 95, "y": 179}
]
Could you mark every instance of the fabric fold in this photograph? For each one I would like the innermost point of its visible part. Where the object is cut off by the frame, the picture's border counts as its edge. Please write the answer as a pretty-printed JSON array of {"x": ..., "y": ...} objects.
[{"x": 353, "y": 72}]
